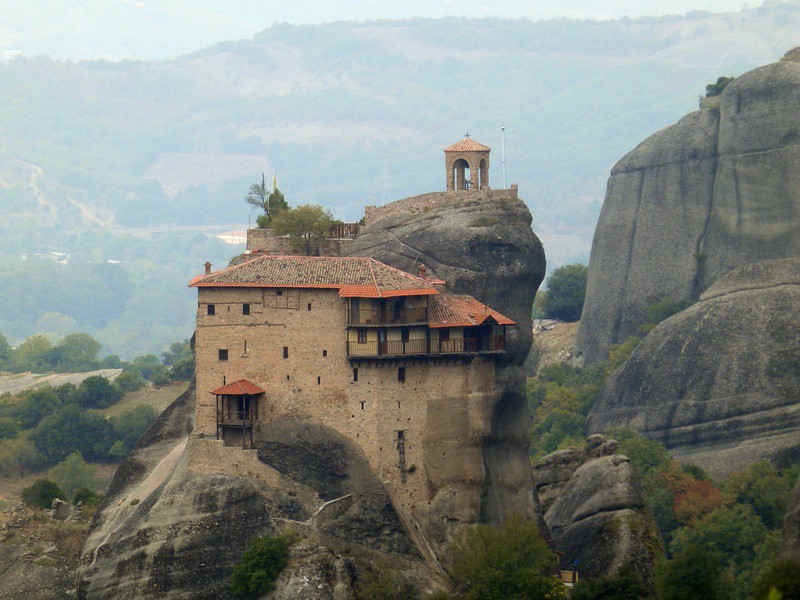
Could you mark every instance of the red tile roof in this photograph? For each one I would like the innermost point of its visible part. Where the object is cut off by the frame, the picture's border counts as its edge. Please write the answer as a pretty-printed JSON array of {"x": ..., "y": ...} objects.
[
  {"x": 353, "y": 277},
  {"x": 451, "y": 310},
  {"x": 467, "y": 145},
  {"x": 238, "y": 388}
]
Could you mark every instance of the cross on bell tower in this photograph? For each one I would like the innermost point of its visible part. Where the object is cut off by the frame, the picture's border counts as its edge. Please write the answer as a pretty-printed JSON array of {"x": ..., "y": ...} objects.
[{"x": 467, "y": 157}]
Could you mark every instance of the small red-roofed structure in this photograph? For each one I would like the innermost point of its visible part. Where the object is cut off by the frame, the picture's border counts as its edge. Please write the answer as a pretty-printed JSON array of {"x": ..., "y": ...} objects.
[{"x": 467, "y": 165}]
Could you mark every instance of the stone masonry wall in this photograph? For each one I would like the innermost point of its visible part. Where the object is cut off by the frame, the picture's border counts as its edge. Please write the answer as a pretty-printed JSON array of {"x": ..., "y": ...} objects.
[
  {"x": 425, "y": 202},
  {"x": 316, "y": 382},
  {"x": 265, "y": 240}
]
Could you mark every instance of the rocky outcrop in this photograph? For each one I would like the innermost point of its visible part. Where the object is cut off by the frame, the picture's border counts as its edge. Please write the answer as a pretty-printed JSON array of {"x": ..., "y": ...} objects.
[
  {"x": 718, "y": 383},
  {"x": 480, "y": 245},
  {"x": 182, "y": 509},
  {"x": 595, "y": 511},
  {"x": 717, "y": 190}
]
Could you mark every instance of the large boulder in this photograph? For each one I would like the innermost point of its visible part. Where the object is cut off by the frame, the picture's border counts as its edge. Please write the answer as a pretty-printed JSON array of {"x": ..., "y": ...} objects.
[
  {"x": 595, "y": 511},
  {"x": 481, "y": 244},
  {"x": 717, "y": 190},
  {"x": 718, "y": 383}
]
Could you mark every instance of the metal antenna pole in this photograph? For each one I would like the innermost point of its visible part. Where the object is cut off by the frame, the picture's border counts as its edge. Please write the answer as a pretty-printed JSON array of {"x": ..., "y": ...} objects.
[{"x": 503, "y": 129}]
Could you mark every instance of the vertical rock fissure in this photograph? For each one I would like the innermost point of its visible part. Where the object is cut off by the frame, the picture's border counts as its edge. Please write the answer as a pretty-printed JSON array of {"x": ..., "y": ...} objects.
[
  {"x": 699, "y": 257},
  {"x": 631, "y": 243}
]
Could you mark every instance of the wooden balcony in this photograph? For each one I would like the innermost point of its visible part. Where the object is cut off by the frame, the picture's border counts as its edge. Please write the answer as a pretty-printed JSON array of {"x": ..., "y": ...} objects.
[
  {"x": 374, "y": 316},
  {"x": 452, "y": 346}
]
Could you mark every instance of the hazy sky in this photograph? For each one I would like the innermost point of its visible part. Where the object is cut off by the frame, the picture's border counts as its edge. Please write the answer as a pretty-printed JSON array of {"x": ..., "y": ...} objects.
[{"x": 154, "y": 29}]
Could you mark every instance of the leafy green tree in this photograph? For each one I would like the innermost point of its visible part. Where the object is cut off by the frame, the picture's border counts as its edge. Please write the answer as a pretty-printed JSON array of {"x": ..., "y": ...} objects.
[
  {"x": 129, "y": 381},
  {"x": 566, "y": 290},
  {"x": 87, "y": 497},
  {"x": 512, "y": 562},
  {"x": 307, "y": 226},
  {"x": 33, "y": 405},
  {"x": 19, "y": 456},
  {"x": 255, "y": 574},
  {"x": 8, "y": 428},
  {"x": 75, "y": 353},
  {"x": 177, "y": 352},
  {"x": 715, "y": 89},
  {"x": 763, "y": 487},
  {"x": 693, "y": 573},
  {"x": 70, "y": 429},
  {"x": 648, "y": 456},
  {"x": 183, "y": 370},
  {"x": 146, "y": 365},
  {"x": 732, "y": 533},
  {"x": 32, "y": 355},
  {"x": 272, "y": 203},
  {"x": 781, "y": 576},
  {"x": 160, "y": 376},
  {"x": 130, "y": 425},
  {"x": 97, "y": 392},
  {"x": 41, "y": 494},
  {"x": 73, "y": 473},
  {"x": 5, "y": 353}
]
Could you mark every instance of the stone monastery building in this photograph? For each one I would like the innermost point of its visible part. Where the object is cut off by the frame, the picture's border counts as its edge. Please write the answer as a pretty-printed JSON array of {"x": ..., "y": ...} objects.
[{"x": 347, "y": 342}]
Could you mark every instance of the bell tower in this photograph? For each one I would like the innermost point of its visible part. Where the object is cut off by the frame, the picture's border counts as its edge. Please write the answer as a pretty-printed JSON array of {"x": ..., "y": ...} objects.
[{"x": 467, "y": 164}]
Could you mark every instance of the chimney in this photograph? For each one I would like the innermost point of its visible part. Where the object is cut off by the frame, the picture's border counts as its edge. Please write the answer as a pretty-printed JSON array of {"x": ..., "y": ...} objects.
[
  {"x": 208, "y": 267},
  {"x": 423, "y": 271}
]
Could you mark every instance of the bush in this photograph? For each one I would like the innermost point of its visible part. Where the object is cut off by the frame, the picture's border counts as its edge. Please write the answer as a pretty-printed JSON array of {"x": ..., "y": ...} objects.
[
  {"x": 160, "y": 377},
  {"x": 715, "y": 89},
  {"x": 182, "y": 370},
  {"x": 662, "y": 310},
  {"x": 625, "y": 585},
  {"x": 97, "y": 392},
  {"x": 513, "y": 561},
  {"x": 70, "y": 429},
  {"x": 383, "y": 582},
  {"x": 41, "y": 494},
  {"x": 87, "y": 497},
  {"x": 262, "y": 562},
  {"x": 620, "y": 353}
]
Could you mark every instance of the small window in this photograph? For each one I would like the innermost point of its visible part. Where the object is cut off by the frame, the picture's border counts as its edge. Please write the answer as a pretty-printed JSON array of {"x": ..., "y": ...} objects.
[
  {"x": 362, "y": 336},
  {"x": 401, "y": 374},
  {"x": 245, "y": 309},
  {"x": 401, "y": 435},
  {"x": 279, "y": 292},
  {"x": 222, "y": 353},
  {"x": 211, "y": 309},
  {"x": 324, "y": 353},
  {"x": 363, "y": 402},
  {"x": 245, "y": 346},
  {"x": 286, "y": 352},
  {"x": 404, "y": 334},
  {"x": 319, "y": 380},
  {"x": 224, "y": 380},
  {"x": 309, "y": 306},
  {"x": 355, "y": 374}
]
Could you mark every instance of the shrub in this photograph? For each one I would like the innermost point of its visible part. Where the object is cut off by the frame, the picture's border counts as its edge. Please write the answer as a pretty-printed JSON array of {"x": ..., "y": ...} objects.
[
  {"x": 41, "y": 494},
  {"x": 620, "y": 353},
  {"x": 664, "y": 309},
  {"x": 625, "y": 585},
  {"x": 694, "y": 573},
  {"x": 715, "y": 89},
  {"x": 262, "y": 562},
  {"x": 87, "y": 497},
  {"x": 383, "y": 582},
  {"x": 97, "y": 392}
]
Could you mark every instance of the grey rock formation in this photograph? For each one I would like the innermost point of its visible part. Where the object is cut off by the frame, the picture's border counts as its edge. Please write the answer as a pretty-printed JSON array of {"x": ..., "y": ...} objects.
[
  {"x": 175, "y": 521},
  {"x": 717, "y": 190},
  {"x": 718, "y": 383},
  {"x": 482, "y": 246},
  {"x": 595, "y": 510}
]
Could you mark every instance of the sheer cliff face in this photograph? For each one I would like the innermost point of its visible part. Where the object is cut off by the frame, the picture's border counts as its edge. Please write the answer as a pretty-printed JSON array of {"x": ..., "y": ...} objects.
[
  {"x": 485, "y": 248},
  {"x": 717, "y": 190},
  {"x": 717, "y": 383}
]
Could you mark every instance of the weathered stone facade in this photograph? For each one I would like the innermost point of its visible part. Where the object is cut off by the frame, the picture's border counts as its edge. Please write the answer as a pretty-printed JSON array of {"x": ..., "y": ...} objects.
[
  {"x": 300, "y": 347},
  {"x": 266, "y": 240}
]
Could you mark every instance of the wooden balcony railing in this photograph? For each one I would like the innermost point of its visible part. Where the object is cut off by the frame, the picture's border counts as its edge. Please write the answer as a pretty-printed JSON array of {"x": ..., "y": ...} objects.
[
  {"x": 495, "y": 343},
  {"x": 232, "y": 416},
  {"x": 374, "y": 316}
]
